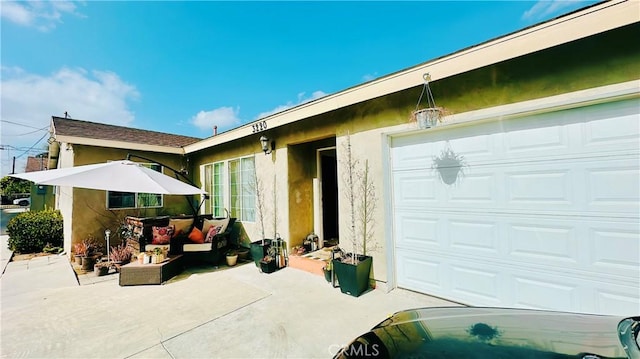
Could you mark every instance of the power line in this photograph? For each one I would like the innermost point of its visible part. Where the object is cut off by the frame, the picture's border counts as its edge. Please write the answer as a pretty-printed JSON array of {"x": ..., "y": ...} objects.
[
  {"x": 34, "y": 145},
  {"x": 28, "y": 133},
  {"x": 21, "y": 124}
]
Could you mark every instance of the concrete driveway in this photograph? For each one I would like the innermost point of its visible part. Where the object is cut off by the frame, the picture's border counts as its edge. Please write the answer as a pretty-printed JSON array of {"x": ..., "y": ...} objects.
[{"x": 232, "y": 313}]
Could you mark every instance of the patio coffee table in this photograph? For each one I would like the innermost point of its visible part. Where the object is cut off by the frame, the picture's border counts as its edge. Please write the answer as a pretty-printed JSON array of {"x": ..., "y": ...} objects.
[{"x": 141, "y": 274}]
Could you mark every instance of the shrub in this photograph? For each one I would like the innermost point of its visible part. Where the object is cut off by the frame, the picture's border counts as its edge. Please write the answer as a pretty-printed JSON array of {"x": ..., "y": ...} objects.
[{"x": 30, "y": 231}]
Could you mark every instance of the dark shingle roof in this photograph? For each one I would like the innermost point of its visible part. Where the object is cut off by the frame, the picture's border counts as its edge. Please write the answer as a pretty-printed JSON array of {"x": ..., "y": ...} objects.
[
  {"x": 86, "y": 129},
  {"x": 36, "y": 164}
]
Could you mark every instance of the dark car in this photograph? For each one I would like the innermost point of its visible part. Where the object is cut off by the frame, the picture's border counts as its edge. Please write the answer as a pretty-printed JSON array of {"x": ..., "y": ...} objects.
[{"x": 496, "y": 333}]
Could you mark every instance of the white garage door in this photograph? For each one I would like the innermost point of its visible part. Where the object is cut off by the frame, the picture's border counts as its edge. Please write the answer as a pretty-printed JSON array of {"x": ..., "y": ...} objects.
[{"x": 544, "y": 214}]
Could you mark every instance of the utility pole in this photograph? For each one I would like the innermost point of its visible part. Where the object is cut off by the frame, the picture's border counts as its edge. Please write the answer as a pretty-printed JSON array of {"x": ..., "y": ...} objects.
[{"x": 13, "y": 167}]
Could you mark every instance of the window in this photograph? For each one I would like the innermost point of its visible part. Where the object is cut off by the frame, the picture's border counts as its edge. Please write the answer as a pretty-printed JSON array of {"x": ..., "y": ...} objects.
[
  {"x": 234, "y": 189},
  {"x": 120, "y": 200},
  {"x": 214, "y": 184}
]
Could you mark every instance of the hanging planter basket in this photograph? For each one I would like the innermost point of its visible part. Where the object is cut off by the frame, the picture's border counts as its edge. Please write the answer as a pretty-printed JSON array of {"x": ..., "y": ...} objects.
[
  {"x": 427, "y": 117},
  {"x": 430, "y": 115}
]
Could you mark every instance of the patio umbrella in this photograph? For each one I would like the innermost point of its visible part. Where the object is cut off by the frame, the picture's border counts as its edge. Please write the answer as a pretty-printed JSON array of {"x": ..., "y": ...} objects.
[{"x": 121, "y": 176}]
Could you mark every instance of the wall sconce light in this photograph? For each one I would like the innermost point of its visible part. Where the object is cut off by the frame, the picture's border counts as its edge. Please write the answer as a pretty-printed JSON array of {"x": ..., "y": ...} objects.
[{"x": 267, "y": 145}]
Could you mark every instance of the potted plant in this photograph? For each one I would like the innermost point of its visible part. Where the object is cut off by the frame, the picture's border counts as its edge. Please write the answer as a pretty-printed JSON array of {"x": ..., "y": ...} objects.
[
  {"x": 243, "y": 252},
  {"x": 260, "y": 247},
  {"x": 101, "y": 268},
  {"x": 352, "y": 269},
  {"x": 268, "y": 262},
  {"x": 159, "y": 254},
  {"x": 90, "y": 255},
  {"x": 120, "y": 255},
  {"x": 327, "y": 269},
  {"x": 232, "y": 257},
  {"x": 429, "y": 116},
  {"x": 80, "y": 250}
]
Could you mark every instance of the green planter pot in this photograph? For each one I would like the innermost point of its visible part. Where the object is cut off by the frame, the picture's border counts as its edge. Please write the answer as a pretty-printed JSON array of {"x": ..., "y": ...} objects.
[
  {"x": 353, "y": 279},
  {"x": 258, "y": 251},
  {"x": 327, "y": 275}
]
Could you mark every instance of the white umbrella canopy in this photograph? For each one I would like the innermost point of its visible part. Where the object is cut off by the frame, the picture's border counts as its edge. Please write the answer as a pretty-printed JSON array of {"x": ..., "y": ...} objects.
[{"x": 121, "y": 176}]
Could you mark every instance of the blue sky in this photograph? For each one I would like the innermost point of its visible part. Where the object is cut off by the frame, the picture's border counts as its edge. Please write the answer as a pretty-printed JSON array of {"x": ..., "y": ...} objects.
[{"x": 183, "y": 67}]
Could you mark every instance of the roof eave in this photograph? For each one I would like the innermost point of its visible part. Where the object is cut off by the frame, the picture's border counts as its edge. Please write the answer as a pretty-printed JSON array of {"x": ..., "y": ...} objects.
[
  {"x": 119, "y": 144},
  {"x": 574, "y": 26}
]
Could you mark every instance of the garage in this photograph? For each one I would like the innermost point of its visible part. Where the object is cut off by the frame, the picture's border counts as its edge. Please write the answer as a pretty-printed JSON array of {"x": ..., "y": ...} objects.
[{"x": 537, "y": 211}]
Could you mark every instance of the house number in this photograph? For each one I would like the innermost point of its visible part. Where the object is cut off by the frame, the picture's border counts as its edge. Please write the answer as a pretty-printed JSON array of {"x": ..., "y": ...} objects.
[{"x": 260, "y": 126}]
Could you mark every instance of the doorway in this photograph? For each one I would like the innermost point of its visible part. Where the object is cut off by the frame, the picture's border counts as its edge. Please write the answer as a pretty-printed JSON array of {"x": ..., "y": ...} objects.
[{"x": 328, "y": 175}]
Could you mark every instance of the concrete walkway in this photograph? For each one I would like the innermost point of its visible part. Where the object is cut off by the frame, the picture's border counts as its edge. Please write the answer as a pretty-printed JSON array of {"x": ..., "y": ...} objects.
[{"x": 233, "y": 313}]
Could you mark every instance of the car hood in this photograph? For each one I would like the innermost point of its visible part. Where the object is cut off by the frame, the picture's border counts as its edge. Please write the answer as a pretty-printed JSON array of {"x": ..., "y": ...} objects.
[{"x": 460, "y": 332}]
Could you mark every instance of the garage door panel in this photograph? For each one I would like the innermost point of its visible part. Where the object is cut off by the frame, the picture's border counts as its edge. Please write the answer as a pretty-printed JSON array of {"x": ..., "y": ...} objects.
[
  {"x": 550, "y": 293},
  {"x": 477, "y": 188},
  {"x": 624, "y": 196},
  {"x": 414, "y": 189},
  {"x": 548, "y": 243},
  {"x": 554, "y": 139},
  {"x": 616, "y": 299},
  {"x": 479, "y": 236},
  {"x": 615, "y": 250},
  {"x": 613, "y": 129},
  {"x": 415, "y": 231},
  {"x": 546, "y": 213},
  {"x": 421, "y": 273},
  {"x": 476, "y": 283},
  {"x": 539, "y": 187}
]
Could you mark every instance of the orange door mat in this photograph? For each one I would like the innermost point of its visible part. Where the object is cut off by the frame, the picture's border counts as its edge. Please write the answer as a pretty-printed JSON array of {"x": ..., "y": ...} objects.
[{"x": 311, "y": 262}]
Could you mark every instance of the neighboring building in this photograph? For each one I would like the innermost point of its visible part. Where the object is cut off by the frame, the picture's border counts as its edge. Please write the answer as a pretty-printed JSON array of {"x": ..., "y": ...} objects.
[
  {"x": 40, "y": 195},
  {"x": 36, "y": 164},
  {"x": 544, "y": 212}
]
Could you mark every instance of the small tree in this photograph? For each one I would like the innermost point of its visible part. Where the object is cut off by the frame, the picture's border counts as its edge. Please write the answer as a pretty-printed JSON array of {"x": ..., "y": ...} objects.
[
  {"x": 261, "y": 211},
  {"x": 359, "y": 191},
  {"x": 11, "y": 185}
]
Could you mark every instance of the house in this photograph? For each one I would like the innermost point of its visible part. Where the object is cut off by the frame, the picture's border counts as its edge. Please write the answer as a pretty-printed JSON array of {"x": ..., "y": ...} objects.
[
  {"x": 541, "y": 209},
  {"x": 40, "y": 195}
]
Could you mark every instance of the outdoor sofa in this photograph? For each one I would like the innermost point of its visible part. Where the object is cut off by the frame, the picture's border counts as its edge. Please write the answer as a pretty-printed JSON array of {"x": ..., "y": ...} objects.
[{"x": 200, "y": 239}]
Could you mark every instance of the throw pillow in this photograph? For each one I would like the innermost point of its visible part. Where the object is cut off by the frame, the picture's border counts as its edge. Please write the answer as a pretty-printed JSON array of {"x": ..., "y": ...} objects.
[
  {"x": 161, "y": 235},
  {"x": 222, "y": 223},
  {"x": 213, "y": 230},
  {"x": 196, "y": 236},
  {"x": 181, "y": 225}
]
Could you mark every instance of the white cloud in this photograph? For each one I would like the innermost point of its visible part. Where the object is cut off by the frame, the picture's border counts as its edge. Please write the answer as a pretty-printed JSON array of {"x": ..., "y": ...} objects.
[
  {"x": 545, "y": 9},
  {"x": 369, "y": 77},
  {"x": 42, "y": 15},
  {"x": 302, "y": 98},
  {"x": 224, "y": 117},
  {"x": 29, "y": 100}
]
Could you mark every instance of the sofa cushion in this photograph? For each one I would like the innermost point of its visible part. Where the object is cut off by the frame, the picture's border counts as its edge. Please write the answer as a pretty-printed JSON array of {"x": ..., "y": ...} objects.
[
  {"x": 196, "y": 236},
  {"x": 222, "y": 223},
  {"x": 161, "y": 235},
  {"x": 213, "y": 230},
  {"x": 181, "y": 225},
  {"x": 196, "y": 247}
]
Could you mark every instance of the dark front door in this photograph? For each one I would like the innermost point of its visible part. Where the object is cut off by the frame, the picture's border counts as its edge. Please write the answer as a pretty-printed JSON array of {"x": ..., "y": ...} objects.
[{"x": 329, "y": 194}]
